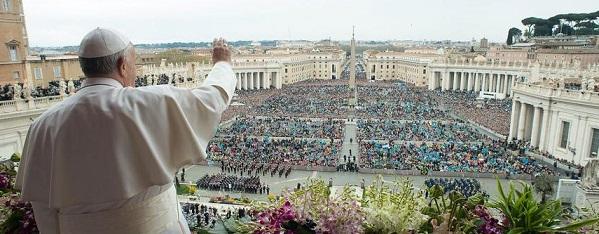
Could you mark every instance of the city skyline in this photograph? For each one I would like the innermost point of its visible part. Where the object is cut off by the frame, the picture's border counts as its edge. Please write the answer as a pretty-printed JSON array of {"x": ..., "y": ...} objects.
[{"x": 284, "y": 20}]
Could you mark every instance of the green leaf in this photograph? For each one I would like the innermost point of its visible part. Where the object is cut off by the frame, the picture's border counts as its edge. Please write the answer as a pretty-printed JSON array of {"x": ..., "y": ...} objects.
[{"x": 577, "y": 225}]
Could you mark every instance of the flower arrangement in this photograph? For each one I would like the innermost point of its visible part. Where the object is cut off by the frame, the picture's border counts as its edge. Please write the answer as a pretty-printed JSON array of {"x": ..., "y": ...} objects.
[
  {"x": 16, "y": 216},
  {"x": 394, "y": 208},
  {"x": 231, "y": 200},
  {"x": 398, "y": 207},
  {"x": 186, "y": 189}
]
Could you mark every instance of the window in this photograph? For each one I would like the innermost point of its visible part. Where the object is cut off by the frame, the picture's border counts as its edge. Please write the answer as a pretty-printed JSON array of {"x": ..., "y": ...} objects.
[
  {"x": 16, "y": 75},
  {"x": 565, "y": 134},
  {"x": 6, "y": 5},
  {"x": 57, "y": 73},
  {"x": 37, "y": 73},
  {"x": 594, "y": 143},
  {"x": 12, "y": 52}
]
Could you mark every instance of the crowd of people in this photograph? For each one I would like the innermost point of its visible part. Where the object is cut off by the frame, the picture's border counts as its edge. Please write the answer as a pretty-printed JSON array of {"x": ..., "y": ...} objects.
[
  {"x": 397, "y": 100},
  {"x": 489, "y": 157},
  {"x": 8, "y": 91},
  {"x": 303, "y": 152},
  {"x": 313, "y": 99},
  {"x": 158, "y": 79},
  {"x": 285, "y": 127},
  {"x": 491, "y": 113},
  {"x": 417, "y": 131},
  {"x": 232, "y": 183},
  {"x": 247, "y": 167},
  {"x": 205, "y": 217},
  {"x": 466, "y": 186}
]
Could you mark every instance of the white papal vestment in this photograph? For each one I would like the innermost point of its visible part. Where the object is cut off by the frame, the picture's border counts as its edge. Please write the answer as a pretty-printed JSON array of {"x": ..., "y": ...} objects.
[{"x": 104, "y": 159}]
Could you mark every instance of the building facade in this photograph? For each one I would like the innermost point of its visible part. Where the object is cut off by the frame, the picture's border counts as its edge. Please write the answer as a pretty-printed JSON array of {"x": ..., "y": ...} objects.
[
  {"x": 561, "y": 122},
  {"x": 263, "y": 71},
  {"x": 409, "y": 67},
  {"x": 14, "y": 44},
  {"x": 41, "y": 70}
]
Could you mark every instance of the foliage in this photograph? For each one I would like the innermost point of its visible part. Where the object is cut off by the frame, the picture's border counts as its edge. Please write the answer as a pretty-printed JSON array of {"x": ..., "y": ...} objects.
[
  {"x": 543, "y": 184},
  {"x": 19, "y": 217},
  {"x": 310, "y": 209},
  {"x": 16, "y": 157},
  {"x": 16, "y": 216},
  {"x": 525, "y": 214},
  {"x": 452, "y": 212},
  {"x": 513, "y": 36},
  {"x": 589, "y": 213},
  {"x": 568, "y": 24},
  {"x": 186, "y": 189},
  {"x": 394, "y": 208}
]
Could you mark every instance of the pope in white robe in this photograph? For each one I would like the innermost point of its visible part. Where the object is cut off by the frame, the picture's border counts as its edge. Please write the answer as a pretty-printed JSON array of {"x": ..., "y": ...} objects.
[{"x": 104, "y": 159}]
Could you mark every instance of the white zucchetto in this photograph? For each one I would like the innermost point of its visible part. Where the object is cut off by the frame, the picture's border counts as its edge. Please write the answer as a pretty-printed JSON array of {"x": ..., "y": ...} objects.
[{"x": 102, "y": 42}]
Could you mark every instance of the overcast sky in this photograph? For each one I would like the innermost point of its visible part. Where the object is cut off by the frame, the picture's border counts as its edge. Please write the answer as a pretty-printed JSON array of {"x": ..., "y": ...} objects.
[{"x": 64, "y": 22}]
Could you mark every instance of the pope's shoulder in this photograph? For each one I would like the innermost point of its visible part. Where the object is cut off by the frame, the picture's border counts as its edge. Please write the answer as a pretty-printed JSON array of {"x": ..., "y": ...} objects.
[{"x": 115, "y": 101}]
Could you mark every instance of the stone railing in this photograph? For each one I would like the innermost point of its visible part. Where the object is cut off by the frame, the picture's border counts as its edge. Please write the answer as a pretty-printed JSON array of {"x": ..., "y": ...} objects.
[
  {"x": 237, "y": 65},
  {"x": 29, "y": 104},
  {"x": 557, "y": 93}
]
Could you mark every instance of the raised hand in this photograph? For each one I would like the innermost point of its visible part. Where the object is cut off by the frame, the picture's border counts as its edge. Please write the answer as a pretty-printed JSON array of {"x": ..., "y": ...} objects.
[{"x": 220, "y": 51}]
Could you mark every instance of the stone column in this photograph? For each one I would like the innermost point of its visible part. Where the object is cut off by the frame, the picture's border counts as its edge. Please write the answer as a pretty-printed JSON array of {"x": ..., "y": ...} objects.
[
  {"x": 510, "y": 82},
  {"x": 543, "y": 137},
  {"x": 257, "y": 80},
  {"x": 498, "y": 83},
  {"x": 484, "y": 87},
  {"x": 505, "y": 79},
  {"x": 476, "y": 82},
  {"x": 463, "y": 77},
  {"x": 251, "y": 81},
  {"x": 268, "y": 77},
  {"x": 522, "y": 121},
  {"x": 514, "y": 120},
  {"x": 244, "y": 78},
  {"x": 534, "y": 137},
  {"x": 238, "y": 81},
  {"x": 445, "y": 82},
  {"x": 469, "y": 88},
  {"x": 456, "y": 85}
]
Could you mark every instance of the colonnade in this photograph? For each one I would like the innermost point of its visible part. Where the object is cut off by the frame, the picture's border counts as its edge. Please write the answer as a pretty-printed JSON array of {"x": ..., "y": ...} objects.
[
  {"x": 473, "y": 81},
  {"x": 529, "y": 123},
  {"x": 257, "y": 80}
]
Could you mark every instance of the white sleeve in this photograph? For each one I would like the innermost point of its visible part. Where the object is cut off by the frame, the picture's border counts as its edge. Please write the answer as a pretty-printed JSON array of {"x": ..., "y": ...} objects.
[
  {"x": 222, "y": 76},
  {"x": 193, "y": 116}
]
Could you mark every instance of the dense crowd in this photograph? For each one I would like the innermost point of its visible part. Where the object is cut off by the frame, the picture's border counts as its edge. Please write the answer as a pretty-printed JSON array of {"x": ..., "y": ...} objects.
[
  {"x": 246, "y": 101},
  {"x": 158, "y": 79},
  {"x": 482, "y": 157},
  {"x": 313, "y": 99},
  {"x": 417, "y": 131},
  {"x": 248, "y": 167},
  {"x": 491, "y": 113},
  {"x": 285, "y": 127},
  {"x": 275, "y": 151},
  {"x": 303, "y": 106},
  {"x": 466, "y": 186},
  {"x": 385, "y": 100},
  {"x": 8, "y": 91},
  {"x": 203, "y": 216},
  {"x": 231, "y": 183}
]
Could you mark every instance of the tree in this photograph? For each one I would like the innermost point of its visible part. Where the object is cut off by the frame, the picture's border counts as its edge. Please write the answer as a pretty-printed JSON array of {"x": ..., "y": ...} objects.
[
  {"x": 543, "y": 184},
  {"x": 565, "y": 29},
  {"x": 543, "y": 30},
  {"x": 513, "y": 36}
]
